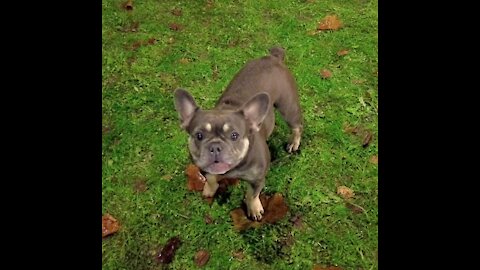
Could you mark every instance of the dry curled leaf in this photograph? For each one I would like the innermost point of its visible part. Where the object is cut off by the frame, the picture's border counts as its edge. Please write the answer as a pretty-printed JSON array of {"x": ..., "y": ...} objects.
[
  {"x": 342, "y": 52},
  {"x": 325, "y": 73},
  {"x": 351, "y": 129},
  {"x": 166, "y": 254},
  {"x": 109, "y": 225},
  {"x": 175, "y": 26},
  {"x": 275, "y": 209},
  {"x": 345, "y": 192},
  {"x": 128, "y": 5},
  {"x": 367, "y": 139},
  {"x": 374, "y": 159},
  {"x": 151, "y": 41},
  {"x": 184, "y": 60},
  {"x": 330, "y": 22},
  {"x": 201, "y": 258},
  {"x": 176, "y": 12},
  {"x": 136, "y": 45}
]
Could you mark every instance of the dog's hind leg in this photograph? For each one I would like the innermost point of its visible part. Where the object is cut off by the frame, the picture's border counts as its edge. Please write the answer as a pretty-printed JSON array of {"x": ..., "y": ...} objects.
[{"x": 289, "y": 107}]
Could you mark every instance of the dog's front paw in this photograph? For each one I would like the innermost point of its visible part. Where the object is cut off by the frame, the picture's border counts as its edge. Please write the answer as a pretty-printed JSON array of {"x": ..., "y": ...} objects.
[
  {"x": 255, "y": 209},
  {"x": 209, "y": 189}
]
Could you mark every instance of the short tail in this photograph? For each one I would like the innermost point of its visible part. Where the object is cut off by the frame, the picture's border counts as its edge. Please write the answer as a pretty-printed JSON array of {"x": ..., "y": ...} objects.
[{"x": 278, "y": 52}]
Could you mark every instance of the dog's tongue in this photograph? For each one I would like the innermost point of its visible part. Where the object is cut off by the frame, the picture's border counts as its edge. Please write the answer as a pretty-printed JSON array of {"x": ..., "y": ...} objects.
[{"x": 219, "y": 168}]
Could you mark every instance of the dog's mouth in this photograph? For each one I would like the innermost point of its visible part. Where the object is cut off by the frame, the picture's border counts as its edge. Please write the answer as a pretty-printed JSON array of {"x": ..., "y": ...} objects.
[{"x": 218, "y": 168}]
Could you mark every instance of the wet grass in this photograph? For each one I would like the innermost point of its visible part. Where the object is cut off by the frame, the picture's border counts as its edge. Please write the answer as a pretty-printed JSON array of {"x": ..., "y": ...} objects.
[{"x": 144, "y": 150}]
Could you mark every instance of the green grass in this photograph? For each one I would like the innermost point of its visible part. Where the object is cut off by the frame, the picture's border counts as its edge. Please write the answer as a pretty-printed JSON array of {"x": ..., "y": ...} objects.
[{"x": 142, "y": 140}]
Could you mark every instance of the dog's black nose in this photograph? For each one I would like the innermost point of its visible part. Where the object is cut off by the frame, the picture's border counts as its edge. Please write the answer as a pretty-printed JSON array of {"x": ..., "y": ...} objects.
[{"x": 215, "y": 149}]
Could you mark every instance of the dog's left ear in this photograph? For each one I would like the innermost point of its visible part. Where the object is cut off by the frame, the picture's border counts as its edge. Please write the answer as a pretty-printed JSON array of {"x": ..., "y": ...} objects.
[
  {"x": 185, "y": 106},
  {"x": 256, "y": 109}
]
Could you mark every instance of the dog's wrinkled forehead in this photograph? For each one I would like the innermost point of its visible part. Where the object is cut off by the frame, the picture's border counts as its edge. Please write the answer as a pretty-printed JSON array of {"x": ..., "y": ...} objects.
[{"x": 217, "y": 122}]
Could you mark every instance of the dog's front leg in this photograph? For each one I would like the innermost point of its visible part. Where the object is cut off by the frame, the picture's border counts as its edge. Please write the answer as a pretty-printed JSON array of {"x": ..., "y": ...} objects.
[
  {"x": 211, "y": 185},
  {"x": 254, "y": 205}
]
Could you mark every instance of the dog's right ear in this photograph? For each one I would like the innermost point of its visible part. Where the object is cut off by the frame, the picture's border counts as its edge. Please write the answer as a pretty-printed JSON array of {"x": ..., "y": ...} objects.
[{"x": 185, "y": 106}]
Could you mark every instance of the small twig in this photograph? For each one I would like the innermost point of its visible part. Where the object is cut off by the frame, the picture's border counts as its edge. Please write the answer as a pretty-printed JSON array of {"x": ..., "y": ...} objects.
[
  {"x": 356, "y": 205},
  {"x": 182, "y": 216},
  {"x": 361, "y": 254}
]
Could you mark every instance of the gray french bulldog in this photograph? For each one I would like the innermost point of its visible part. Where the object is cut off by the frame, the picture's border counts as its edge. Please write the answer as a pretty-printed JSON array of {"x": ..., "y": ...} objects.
[{"x": 230, "y": 141}]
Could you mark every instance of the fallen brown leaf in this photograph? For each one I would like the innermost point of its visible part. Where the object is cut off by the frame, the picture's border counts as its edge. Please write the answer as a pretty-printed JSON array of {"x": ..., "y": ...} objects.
[
  {"x": 208, "y": 219},
  {"x": 276, "y": 209},
  {"x": 167, "y": 177},
  {"x": 151, "y": 41},
  {"x": 297, "y": 221},
  {"x": 109, "y": 225},
  {"x": 240, "y": 220},
  {"x": 342, "y": 52},
  {"x": 345, "y": 192},
  {"x": 351, "y": 129},
  {"x": 140, "y": 185},
  {"x": 133, "y": 27},
  {"x": 176, "y": 12},
  {"x": 166, "y": 254},
  {"x": 359, "y": 81},
  {"x": 201, "y": 258},
  {"x": 128, "y": 5},
  {"x": 175, "y": 26},
  {"x": 107, "y": 128},
  {"x": 330, "y": 22},
  {"x": 361, "y": 132},
  {"x": 137, "y": 45},
  {"x": 195, "y": 180},
  {"x": 367, "y": 139},
  {"x": 239, "y": 255},
  {"x": 325, "y": 73},
  {"x": 374, "y": 159}
]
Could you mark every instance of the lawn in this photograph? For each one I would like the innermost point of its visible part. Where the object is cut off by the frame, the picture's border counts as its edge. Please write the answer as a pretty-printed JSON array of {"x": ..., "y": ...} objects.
[{"x": 159, "y": 46}]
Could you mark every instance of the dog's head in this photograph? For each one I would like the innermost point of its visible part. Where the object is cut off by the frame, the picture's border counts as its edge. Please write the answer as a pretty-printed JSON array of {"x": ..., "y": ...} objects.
[{"x": 219, "y": 139}]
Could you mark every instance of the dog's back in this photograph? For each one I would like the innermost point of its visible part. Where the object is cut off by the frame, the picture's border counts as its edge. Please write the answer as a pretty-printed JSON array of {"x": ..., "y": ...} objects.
[{"x": 267, "y": 74}]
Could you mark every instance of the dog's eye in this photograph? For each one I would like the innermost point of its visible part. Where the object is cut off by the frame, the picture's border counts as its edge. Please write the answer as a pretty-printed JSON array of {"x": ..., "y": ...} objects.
[
  {"x": 199, "y": 136},
  {"x": 234, "y": 136}
]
